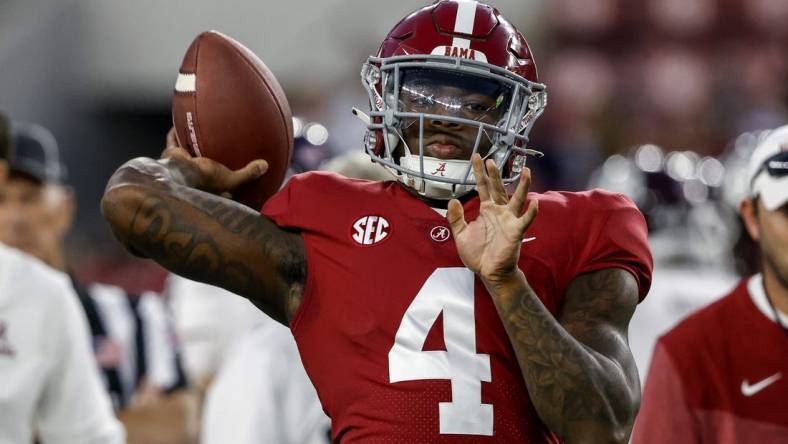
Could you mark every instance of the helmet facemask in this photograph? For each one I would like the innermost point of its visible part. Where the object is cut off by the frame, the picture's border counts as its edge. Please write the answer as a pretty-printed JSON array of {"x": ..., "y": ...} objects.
[{"x": 429, "y": 114}]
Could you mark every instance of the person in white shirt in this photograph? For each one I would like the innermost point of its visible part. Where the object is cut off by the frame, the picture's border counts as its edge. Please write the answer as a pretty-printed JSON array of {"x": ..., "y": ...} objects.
[
  {"x": 209, "y": 322},
  {"x": 50, "y": 387},
  {"x": 257, "y": 390},
  {"x": 133, "y": 336}
]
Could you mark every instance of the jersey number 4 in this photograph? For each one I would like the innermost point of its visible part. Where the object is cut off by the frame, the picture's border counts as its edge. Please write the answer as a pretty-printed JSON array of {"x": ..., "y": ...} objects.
[{"x": 448, "y": 291}]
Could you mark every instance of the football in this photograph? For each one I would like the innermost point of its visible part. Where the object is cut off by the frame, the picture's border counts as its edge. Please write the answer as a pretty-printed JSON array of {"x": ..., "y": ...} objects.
[{"x": 229, "y": 107}]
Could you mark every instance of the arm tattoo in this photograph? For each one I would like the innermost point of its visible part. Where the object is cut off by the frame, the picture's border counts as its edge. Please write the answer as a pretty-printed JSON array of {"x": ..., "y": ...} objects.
[
  {"x": 580, "y": 373},
  {"x": 217, "y": 241}
]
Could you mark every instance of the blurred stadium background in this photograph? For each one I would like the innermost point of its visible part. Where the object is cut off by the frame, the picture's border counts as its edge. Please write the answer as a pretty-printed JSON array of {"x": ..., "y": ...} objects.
[{"x": 683, "y": 75}]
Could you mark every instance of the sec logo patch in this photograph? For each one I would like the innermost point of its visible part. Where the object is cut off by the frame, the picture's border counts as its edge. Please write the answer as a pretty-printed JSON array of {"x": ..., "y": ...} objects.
[{"x": 370, "y": 230}]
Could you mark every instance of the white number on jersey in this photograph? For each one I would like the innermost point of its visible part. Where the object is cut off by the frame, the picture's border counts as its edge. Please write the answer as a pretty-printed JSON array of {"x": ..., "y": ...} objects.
[{"x": 448, "y": 291}]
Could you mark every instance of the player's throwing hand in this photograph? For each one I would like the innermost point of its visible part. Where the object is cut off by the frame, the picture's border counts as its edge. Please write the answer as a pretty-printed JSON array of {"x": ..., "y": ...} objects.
[{"x": 208, "y": 175}]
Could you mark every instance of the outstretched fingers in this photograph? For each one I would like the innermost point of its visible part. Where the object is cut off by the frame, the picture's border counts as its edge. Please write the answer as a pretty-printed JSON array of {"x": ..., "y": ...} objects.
[
  {"x": 497, "y": 190},
  {"x": 482, "y": 185},
  {"x": 530, "y": 214},
  {"x": 517, "y": 203},
  {"x": 456, "y": 217}
]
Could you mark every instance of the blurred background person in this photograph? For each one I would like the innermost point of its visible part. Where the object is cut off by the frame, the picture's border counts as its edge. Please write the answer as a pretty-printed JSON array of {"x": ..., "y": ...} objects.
[
  {"x": 252, "y": 385},
  {"x": 51, "y": 386},
  {"x": 208, "y": 323},
  {"x": 261, "y": 392},
  {"x": 721, "y": 375},
  {"x": 133, "y": 336}
]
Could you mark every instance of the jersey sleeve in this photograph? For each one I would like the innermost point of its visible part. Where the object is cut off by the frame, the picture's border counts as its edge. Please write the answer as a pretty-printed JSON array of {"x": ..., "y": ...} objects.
[
  {"x": 664, "y": 413},
  {"x": 622, "y": 242},
  {"x": 74, "y": 407},
  {"x": 284, "y": 206},
  {"x": 304, "y": 202}
]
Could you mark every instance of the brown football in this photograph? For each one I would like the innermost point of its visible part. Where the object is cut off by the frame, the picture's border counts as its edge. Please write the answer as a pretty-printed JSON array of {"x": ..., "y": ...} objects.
[{"x": 229, "y": 107}]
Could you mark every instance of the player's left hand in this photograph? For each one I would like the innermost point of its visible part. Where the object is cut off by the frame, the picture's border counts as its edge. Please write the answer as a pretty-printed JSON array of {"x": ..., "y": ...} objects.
[{"x": 490, "y": 245}]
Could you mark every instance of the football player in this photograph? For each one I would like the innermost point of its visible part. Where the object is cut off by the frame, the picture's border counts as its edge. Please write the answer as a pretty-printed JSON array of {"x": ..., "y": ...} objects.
[{"x": 438, "y": 307}]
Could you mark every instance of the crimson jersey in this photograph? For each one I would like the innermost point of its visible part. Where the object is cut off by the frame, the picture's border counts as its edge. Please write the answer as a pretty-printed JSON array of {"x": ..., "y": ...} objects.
[
  {"x": 720, "y": 376},
  {"x": 402, "y": 342}
]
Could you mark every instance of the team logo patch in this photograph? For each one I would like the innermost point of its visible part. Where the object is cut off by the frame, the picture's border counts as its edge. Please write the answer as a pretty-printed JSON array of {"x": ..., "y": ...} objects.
[
  {"x": 440, "y": 233},
  {"x": 5, "y": 347},
  {"x": 370, "y": 230}
]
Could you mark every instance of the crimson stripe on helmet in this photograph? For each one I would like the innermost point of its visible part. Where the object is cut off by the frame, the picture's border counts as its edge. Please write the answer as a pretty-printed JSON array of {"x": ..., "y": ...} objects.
[{"x": 463, "y": 24}]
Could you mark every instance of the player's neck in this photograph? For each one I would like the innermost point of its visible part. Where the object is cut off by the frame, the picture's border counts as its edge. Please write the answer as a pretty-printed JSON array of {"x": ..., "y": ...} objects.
[{"x": 776, "y": 289}]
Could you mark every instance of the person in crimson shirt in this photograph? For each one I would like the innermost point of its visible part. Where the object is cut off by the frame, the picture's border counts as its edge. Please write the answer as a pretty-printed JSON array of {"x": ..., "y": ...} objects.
[
  {"x": 438, "y": 307},
  {"x": 721, "y": 375}
]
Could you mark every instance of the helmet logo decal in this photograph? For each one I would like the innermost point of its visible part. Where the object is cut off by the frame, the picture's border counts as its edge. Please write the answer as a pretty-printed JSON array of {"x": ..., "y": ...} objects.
[
  {"x": 370, "y": 230},
  {"x": 440, "y": 233},
  {"x": 461, "y": 52},
  {"x": 440, "y": 170}
]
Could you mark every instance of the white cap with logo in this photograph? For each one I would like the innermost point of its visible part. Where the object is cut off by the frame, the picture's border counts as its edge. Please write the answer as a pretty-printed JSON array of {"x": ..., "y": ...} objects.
[{"x": 768, "y": 169}]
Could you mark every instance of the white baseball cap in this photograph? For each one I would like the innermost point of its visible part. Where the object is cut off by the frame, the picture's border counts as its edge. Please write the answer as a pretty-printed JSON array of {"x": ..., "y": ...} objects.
[{"x": 768, "y": 169}]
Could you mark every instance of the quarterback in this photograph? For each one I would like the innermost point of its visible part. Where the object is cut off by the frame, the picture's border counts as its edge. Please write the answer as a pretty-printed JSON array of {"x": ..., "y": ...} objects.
[{"x": 438, "y": 307}]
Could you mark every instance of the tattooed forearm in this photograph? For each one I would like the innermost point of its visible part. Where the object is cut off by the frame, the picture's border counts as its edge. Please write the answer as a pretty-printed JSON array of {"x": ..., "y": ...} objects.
[
  {"x": 211, "y": 239},
  {"x": 579, "y": 372}
]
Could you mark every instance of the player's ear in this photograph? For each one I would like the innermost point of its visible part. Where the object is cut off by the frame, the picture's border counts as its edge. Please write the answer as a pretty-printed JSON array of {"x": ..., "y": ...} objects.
[{"x": 749, "y": 213}]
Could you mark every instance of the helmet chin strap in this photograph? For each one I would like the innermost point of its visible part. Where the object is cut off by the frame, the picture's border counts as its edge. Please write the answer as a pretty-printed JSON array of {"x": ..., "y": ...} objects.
[{"x": 447, "y": 168}]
